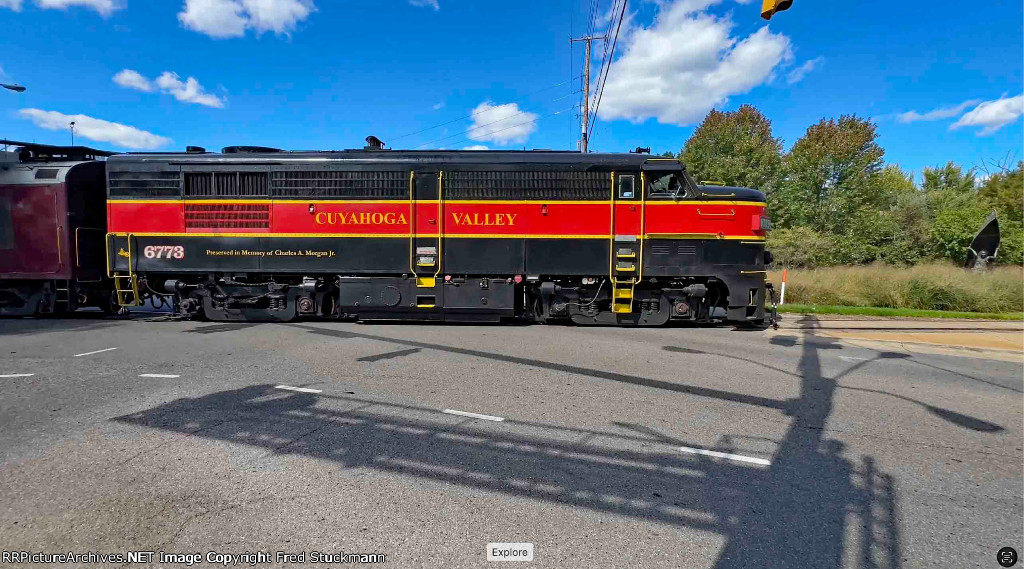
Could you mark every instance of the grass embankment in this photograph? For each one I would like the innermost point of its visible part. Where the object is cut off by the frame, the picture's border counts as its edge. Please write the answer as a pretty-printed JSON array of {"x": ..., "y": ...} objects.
[{"x": 928, "y": 291}]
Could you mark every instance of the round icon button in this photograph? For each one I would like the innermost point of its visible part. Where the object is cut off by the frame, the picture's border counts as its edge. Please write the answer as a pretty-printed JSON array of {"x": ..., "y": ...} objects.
[{"x": 1007, "y": 557}]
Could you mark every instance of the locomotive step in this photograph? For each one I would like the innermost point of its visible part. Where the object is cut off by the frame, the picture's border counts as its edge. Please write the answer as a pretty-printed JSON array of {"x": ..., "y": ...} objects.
[{"x": 127, "y": 293}]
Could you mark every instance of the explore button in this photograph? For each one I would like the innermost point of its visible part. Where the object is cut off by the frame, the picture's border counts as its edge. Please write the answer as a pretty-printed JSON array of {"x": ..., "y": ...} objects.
[{"x": 510, "y": 552}]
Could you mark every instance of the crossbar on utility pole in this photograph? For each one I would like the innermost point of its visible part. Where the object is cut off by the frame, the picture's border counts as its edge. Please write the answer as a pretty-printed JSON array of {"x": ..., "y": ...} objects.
[{"x": 585, "y": 118}]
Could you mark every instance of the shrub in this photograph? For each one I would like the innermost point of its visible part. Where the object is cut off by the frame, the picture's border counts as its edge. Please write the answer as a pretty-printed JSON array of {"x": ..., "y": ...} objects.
[
  {"x": 953, "y": 229},
  {"x": 800, "y": 247},
  {"x": 930, "y": 286}
]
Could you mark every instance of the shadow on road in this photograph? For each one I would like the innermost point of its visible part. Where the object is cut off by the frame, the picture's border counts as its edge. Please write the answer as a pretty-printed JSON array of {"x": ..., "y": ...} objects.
[
  {"x": 74, "y": 322},
  {"x": 218, "y": 328},
  {"x": 813, "y": 506}
]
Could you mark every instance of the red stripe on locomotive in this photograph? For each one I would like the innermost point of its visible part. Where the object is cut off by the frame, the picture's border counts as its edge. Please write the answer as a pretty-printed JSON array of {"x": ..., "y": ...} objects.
[{"x": 583, "y": 219}]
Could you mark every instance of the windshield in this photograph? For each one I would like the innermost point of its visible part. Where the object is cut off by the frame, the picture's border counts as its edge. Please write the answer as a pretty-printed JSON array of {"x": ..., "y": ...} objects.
[{"x": 667, "y": 186}]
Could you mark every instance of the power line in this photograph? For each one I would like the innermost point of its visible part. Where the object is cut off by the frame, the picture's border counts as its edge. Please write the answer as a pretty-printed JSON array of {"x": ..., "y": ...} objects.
[
  {"x": 604, "y": 54},
  {"x": 604, "y": 80},
  {"x": 593, "y": 17},
  {"x": 502, "y": 120},
  {"x": 572, "y": 62},
  {"x": 471, "y": 115}
]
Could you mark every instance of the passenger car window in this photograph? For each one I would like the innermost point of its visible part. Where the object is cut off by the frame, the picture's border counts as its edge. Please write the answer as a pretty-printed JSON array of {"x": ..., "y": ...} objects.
[{"x": 627, "y": 185}]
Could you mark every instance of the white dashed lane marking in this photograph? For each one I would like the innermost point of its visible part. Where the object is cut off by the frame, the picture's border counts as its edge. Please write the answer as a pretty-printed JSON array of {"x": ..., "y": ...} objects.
[
  {"x": 725, "y": 455},
  {"x": 160, "y": 375},
  {"x": 473, "y": 415},
  {"x": 96, "y": 352},
  {"x": 299, "y": 389},
  {"x": 18, "y": 375}
]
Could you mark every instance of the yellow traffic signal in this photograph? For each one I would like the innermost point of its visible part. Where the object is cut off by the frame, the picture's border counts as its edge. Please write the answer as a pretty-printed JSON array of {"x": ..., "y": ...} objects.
[{"x": 771, "y": 7}]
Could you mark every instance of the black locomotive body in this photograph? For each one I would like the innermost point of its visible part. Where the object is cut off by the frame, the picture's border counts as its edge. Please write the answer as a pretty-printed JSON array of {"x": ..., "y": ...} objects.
[{"x": 452, "y": 236}]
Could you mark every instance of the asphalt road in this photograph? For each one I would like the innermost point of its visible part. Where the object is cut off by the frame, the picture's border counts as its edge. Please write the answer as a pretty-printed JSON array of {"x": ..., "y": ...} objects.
[{"x": 676, "y": 447}]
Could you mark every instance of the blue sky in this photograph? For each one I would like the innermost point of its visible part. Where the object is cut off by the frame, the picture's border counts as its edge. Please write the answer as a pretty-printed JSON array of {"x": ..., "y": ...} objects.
[{"x": 943, "y": 83}]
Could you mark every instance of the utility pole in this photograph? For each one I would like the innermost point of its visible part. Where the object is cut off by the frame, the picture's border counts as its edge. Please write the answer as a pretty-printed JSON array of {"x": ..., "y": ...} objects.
[
  {"x": 585, "y": 119},
  {"x": 72, "y": 133}
]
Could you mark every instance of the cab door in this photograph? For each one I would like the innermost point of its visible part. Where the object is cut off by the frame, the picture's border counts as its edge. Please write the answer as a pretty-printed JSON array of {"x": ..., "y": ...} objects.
[
  {"x": 626, "y": 240},
  {"x": 426, "y": 213}
]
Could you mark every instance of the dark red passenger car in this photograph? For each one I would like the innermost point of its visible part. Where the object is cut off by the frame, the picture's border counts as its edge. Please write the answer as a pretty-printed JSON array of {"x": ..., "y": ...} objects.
[{"x": 52, "y": 229}]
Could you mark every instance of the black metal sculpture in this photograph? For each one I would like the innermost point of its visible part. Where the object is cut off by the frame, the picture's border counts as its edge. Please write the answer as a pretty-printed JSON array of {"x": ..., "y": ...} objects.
[{"x": 985, "y": 245}]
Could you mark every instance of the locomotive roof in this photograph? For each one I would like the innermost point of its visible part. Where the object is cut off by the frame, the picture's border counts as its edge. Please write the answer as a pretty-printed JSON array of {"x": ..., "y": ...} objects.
[
  {"x": 574, "y": 159},
  {"x": 471, "y": 159}
]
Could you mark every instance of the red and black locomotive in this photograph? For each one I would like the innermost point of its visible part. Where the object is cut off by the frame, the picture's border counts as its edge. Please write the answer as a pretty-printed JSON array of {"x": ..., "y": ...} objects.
[
  {"x": 52, "y": 227},
  {"x": 261, "y": 234}
]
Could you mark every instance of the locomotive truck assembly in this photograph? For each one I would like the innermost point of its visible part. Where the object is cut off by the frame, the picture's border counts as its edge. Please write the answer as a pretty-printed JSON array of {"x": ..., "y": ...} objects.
[{"x": 255, "y": 233}]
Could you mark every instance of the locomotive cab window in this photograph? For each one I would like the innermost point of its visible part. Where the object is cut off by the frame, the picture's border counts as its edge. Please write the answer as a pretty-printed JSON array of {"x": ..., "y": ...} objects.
[
  {"x": 627, "y": 184},
  {"x": 667, "y": 187}
]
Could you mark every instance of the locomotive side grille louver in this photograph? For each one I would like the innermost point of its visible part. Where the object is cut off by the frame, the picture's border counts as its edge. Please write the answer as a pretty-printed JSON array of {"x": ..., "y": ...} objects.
[
  {"x": 336, "y": 184},
  {"x": 687, "y": 250},
  {"x": 133, "y": 184},
  {"x": 227, "y": 216},
  {"x": 197, "y": 185},
  {"x": 527, "y": 185},
  {"x": 225, "y": 184},
  {"x": 661, "y": 250}
]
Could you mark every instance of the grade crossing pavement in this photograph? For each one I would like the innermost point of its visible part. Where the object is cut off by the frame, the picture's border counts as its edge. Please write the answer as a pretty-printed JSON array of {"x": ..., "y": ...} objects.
[{"x": 674, "y": 447}]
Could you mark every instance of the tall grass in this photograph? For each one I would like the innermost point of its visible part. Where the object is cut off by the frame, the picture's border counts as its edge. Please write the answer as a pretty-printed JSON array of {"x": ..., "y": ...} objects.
[{"x": 936, "y": 286}]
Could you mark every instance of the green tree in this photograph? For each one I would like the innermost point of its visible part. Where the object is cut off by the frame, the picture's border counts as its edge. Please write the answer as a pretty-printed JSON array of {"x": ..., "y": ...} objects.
[
  {"x": 1004, "y": 192},
  {"x": 955, "y": 226},
  {"x": 735, "y": 147},
  {"x": 831, "y": 173},
  {"x": 951, "y": 179},
  {"x": 904, "y": 217}
]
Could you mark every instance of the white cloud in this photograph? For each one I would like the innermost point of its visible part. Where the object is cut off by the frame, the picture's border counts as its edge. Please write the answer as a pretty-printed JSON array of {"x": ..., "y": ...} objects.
[
  {"x": 131, "y": 79},
  {"x": 686, "y": 63},
  {"x": 231, "y": 18},
  {"x": 796, "y": 75},
  {"x": 215, "y": 18},
  {"x": 96, "y": 129},
  {"x": 426, "y": 3},
  {"x": 439, "y": 106},
  {"x": 476, "y": 147},
  {"x": 935, "y": 114},
  {"x": 501, "y": 123},
  {"x": 993, "y": 115},
  {"x": 278, "y": 16},
  {"x": 188, "y": 91},
  {"x": 104, "y": 7}
]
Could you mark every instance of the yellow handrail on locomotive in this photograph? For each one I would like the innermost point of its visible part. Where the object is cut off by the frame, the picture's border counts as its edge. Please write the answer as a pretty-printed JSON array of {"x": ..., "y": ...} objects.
[
  {"x": 412, "y": 223},
  {"x": 611, "y": 235},
  {"x": 440, "y": 220}
]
